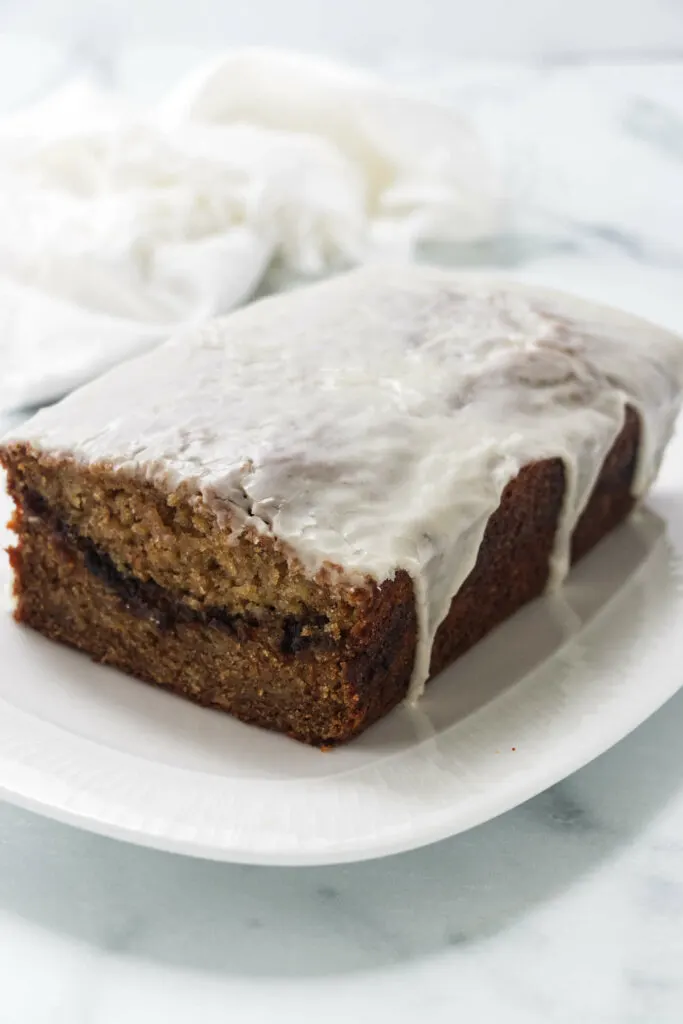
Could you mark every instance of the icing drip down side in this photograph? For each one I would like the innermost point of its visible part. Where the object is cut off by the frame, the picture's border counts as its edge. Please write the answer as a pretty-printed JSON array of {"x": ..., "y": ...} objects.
[{"x": 373, "y": 421}]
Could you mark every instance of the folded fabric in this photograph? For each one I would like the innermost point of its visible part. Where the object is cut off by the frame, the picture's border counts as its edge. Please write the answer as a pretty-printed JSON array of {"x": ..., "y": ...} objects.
[{"x": 121, "y": 226}]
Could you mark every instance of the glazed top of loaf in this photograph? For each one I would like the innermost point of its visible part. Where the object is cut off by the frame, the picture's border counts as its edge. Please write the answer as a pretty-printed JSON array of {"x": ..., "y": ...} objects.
[{"x": 373, "y": 421}]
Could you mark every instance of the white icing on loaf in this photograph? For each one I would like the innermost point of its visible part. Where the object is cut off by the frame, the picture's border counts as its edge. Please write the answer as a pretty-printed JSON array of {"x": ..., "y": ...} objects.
[{"x": 373, "y": 421}]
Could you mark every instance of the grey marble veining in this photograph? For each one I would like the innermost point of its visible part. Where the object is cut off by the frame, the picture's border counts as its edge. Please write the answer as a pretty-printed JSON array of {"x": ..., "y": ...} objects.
[{"x": 567, "y": 910}]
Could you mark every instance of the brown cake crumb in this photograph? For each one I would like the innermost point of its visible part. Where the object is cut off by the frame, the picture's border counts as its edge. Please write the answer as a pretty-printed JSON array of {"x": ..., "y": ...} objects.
[{"x": 152, "y": 584}]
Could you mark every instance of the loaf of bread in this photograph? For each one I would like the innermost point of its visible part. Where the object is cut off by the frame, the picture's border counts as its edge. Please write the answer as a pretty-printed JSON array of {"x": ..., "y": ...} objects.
[{"x": 302, "y": 512}]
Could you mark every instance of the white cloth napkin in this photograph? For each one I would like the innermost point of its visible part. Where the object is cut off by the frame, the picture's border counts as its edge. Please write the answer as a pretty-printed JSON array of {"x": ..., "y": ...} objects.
[{"x": 120, "y": 226}]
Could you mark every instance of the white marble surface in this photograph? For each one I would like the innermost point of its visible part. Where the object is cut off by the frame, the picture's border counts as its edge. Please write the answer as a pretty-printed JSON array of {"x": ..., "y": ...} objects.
[
  {"x": 568, "y": 909},
  {"x": 357, "y": 28}
]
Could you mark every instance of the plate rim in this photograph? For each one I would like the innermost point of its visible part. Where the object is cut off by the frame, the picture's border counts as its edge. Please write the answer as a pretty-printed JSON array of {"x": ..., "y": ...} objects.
[{"x": 347, "y": 854}]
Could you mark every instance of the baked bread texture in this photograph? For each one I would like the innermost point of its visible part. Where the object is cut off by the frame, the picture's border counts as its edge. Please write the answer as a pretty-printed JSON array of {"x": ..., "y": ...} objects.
[{"x": 302, "y": 512}]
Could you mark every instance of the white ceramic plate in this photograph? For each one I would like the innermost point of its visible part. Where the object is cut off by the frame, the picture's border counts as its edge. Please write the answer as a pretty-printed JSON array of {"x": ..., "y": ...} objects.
[{"x": 551, "y": 689}]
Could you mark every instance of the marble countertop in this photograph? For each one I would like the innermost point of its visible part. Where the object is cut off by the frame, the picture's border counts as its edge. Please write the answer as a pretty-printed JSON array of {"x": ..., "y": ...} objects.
[{"x": 567, "y": 909}]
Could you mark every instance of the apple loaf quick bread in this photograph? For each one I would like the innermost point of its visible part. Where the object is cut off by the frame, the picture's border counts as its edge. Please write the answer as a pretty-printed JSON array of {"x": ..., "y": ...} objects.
[{"x": 301, "y": 512}]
